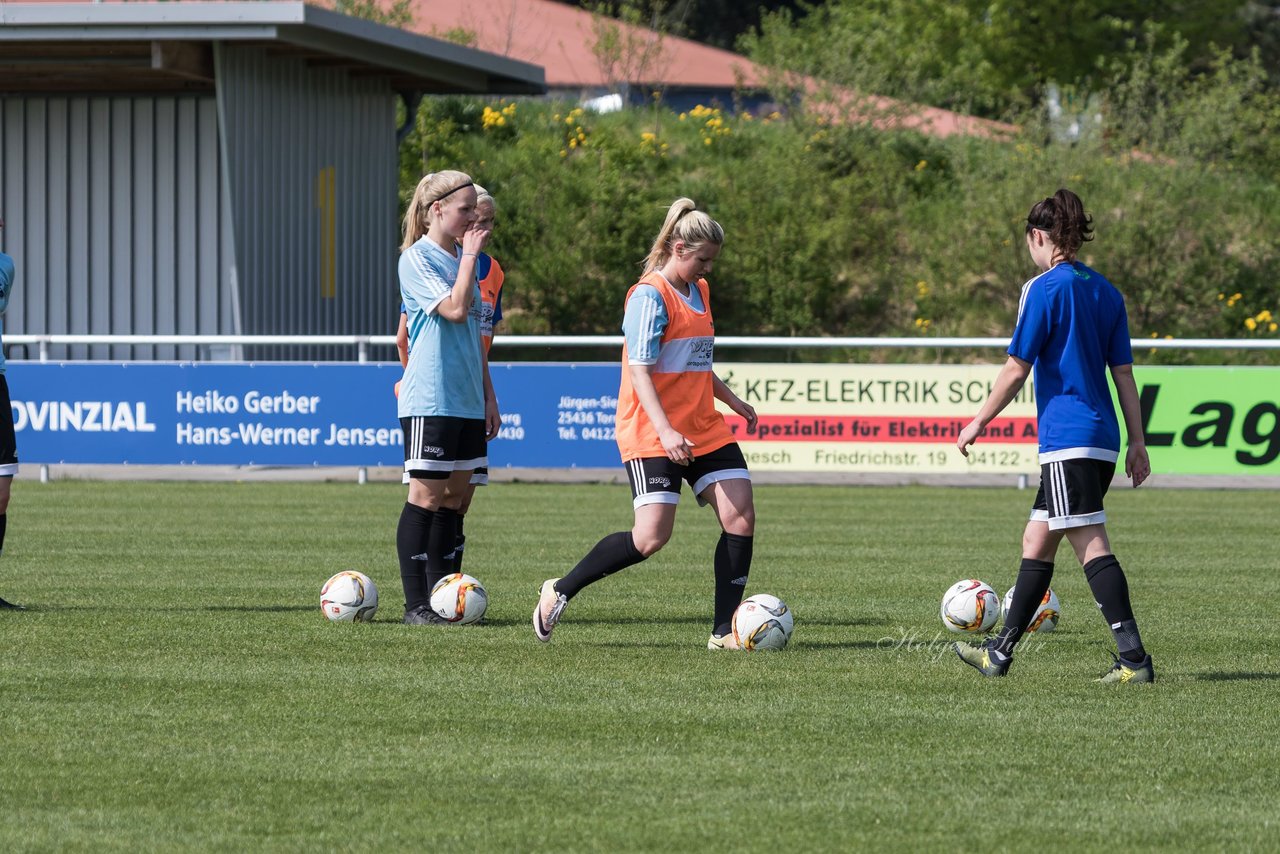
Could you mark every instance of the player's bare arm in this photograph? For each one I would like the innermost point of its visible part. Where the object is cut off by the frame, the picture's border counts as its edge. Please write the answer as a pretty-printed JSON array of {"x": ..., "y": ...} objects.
[
  {"x": 1010, "y": 381},
  {"x": 1137, "y": 465}
]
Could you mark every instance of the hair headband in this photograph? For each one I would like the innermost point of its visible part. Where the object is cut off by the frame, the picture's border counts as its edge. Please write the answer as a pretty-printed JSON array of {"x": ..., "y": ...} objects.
[{"x": 454, "y": 190}]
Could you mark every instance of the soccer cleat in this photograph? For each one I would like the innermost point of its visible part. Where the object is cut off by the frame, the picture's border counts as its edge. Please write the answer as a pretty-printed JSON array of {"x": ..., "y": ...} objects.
[
  {"x": 1125, "y": 673},
  {"x": 979, "y": 657},
  {"x": 547, "y": 613},
  {"x": 11, "y": 606},
  {"x": 424, "y": 616},
  {"x": 725, "y": 641}
]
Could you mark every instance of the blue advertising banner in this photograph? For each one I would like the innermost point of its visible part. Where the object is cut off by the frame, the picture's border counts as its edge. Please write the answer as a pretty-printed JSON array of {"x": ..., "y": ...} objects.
[
  {"x": 831, "y": 418},
  {"x": 329, "y": 414}
]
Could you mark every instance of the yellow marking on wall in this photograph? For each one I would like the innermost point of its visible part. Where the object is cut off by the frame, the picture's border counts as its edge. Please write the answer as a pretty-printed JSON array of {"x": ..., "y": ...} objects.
[{"x": 326, "y": 201}]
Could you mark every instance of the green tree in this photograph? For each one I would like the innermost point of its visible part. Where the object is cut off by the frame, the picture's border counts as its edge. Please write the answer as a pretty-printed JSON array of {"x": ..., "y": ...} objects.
[{"x": 985, "y": 57}]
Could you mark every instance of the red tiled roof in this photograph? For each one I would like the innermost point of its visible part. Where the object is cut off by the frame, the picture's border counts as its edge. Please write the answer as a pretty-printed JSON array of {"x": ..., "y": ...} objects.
[{"x": 560, "y": 37}]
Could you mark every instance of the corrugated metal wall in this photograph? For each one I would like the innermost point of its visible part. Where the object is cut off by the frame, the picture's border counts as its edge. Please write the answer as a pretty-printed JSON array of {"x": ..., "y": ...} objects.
[
  {"x": 115, "y": 219},
  {"x": 311, "y": 156},
  {"x": 268, "y": 209}
]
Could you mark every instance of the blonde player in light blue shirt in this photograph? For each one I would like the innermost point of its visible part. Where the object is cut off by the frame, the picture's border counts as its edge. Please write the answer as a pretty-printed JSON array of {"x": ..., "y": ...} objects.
[{"x": 447, "y": 407}]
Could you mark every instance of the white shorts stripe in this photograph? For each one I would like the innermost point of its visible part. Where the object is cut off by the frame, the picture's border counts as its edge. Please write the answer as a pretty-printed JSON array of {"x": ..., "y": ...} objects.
[
  {"x": 1062, "y": 523},
  {"x": 659, "y": 497},
  {"x": 637, "y": 476},
  {"x": 1101, "y": 454},
  {"x": 1058, "y": 503},
  {"x": 717, "y": 476}
]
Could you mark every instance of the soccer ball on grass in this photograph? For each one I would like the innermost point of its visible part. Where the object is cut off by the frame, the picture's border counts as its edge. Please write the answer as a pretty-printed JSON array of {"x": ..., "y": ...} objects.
[
  {"x": 349, "y": 597},
  {"x": 970, "y": 606},
  {"x": 459, "y": 598},
  {"x": 762, "y": 622},
  {"x": 1047, "y": 614}
]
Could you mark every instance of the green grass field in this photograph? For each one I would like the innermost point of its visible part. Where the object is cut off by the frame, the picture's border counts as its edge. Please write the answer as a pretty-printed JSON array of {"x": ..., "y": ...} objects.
[{"x": 174, "y": 685}]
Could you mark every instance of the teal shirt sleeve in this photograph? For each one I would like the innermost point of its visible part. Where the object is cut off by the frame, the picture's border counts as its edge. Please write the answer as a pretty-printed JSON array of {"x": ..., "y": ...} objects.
[{"x": 643, "y": 323}]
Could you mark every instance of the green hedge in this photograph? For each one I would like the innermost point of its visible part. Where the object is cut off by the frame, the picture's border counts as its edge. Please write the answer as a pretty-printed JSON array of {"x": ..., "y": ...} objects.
[{"x": 842, "y": 230}]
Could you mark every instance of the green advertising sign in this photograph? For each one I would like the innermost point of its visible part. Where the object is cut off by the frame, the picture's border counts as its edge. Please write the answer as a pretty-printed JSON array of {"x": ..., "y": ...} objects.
[
  {"x": 905, "y": 418},
  {"x": 1211, "y": 420}
]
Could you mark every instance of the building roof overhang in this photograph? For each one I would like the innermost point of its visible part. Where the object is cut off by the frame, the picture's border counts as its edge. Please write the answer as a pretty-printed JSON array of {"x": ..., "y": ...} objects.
[{"x": 168, "y": 47}]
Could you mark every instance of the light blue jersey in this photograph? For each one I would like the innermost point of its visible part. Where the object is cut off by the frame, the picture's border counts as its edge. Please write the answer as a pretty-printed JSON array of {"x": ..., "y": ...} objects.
[
  {"x": 1072, "y": 324},
  {"x": 645, "y": 320},
  {"x": 445, "y": 374},
  {"x": 6, "y": 287}
]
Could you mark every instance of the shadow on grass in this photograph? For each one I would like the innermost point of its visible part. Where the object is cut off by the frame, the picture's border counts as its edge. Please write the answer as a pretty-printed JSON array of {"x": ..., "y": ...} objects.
[
  {"x": 1240, "y": 676},
  {"x": 843, "y": 623},
  {"x": 624, "y": 620},
  {"x": 193, "y": 609},
  {"x": 858, "y": 644},
  {"x": 648, "y": 644}
]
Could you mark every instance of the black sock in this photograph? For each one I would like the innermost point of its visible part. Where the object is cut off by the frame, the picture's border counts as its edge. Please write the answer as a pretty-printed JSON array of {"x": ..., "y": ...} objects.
[
  {"x": 1028, "y": 592},
  {"x": 733, "y": 565},
  {"x": 459, "y": 544},
  {"x": 1111, "y": 590},
  {"x": 411, "y": 547},
  {"x": 4, "y": 523},
  {"x": 614, "y": 552},
  {"x": 443, "y": 538}
]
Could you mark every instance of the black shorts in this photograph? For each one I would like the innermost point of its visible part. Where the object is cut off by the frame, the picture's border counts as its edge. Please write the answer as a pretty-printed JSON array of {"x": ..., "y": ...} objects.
[
  {"x": 8, "y": 442},
  {"x": 435, "y": 446},
  {"x": 656, "y": 480},
  {"x": 1071, "y": 493}
]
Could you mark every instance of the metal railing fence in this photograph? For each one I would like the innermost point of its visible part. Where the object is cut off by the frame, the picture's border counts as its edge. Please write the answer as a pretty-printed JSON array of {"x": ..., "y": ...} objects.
[{"x": 362, "y": 343}]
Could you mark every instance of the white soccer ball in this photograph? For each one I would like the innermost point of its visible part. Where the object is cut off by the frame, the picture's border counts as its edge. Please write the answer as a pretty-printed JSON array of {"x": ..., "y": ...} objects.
[
  {"x": 762, "y": 622},
  {"x": 970, "y": 606},
  {"x": 459, "y": 598},
  {"x": 349, "y": 597},
  {"x": 1046, "y": 617}
]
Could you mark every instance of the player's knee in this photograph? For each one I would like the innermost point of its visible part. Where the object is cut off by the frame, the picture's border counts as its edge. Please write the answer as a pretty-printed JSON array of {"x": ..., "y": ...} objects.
[
  {"x": 742, "y": 524},
  {"x": 649, "y": 542},
  {"x": 1037, "y": 546}
]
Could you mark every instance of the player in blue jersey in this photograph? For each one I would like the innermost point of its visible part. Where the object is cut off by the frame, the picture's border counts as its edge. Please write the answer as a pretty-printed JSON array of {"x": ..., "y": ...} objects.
[
  {"x": 446, "y": 404},
  {"x": 1072, "y": 327},
  {"x": 8, "y": 441}
]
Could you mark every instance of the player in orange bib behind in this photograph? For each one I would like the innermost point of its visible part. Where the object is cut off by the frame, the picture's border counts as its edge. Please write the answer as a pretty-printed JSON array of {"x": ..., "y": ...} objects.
[{"x": 668, "y": 428}]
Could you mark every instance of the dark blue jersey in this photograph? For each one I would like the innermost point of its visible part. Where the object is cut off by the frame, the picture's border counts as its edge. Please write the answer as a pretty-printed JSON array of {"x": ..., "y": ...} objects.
[{"x": 1072, "y": 325}]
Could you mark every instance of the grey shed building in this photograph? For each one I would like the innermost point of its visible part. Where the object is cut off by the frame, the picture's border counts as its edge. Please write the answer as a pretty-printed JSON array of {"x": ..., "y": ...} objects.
[{"x": 211, "y": 168}]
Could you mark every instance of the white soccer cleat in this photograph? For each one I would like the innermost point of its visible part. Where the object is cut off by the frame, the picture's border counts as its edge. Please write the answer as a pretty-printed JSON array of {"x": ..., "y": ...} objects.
[
  {"x": 550, "y": 606},
  {"x": 725, "y": 641}
]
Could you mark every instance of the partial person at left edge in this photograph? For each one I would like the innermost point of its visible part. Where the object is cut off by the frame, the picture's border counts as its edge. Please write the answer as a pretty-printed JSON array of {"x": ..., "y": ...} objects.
[{"x": 8, "y": 441}]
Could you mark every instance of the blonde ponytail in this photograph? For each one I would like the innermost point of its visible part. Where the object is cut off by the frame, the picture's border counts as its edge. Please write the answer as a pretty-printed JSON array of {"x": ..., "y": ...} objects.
[{"x": 685, "y": 223}]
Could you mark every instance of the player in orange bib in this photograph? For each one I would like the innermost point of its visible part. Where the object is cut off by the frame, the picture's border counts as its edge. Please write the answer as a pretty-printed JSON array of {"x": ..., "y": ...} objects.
[
  {"x": 490, "y": 276},
  {"x": 668, "y": 427}
]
